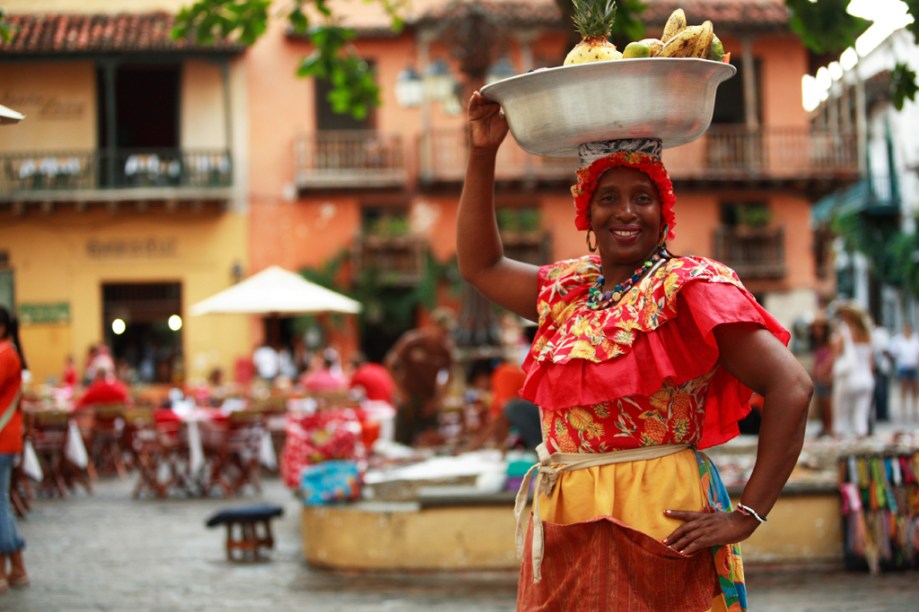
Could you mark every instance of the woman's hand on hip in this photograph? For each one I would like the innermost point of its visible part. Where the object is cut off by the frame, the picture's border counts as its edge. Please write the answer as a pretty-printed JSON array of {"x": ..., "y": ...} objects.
[{"x": 702, "y": 530}]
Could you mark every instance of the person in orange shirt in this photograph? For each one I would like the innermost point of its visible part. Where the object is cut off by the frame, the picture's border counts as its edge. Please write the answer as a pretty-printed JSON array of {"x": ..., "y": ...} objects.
[{"x": 12, "y": 363}]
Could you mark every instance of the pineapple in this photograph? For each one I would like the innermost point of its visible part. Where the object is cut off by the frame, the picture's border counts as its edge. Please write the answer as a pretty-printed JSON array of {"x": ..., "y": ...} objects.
[{"x": 593, "y": 20}]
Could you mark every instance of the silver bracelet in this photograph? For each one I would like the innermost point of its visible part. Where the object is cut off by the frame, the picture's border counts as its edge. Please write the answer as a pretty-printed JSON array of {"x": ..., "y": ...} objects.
[{"x": 748, "y": 511}]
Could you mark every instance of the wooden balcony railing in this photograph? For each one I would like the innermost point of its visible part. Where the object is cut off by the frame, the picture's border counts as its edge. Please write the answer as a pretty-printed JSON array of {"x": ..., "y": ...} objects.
[
  {"x": 349, "y": 159},
  {"x": 754, "y": 253},
  {"x": 164, "y": 173},
  {"x": 723, "y": 153},
  {"x": 728, "y": 152},
  {"x": 395, "y": 260}
]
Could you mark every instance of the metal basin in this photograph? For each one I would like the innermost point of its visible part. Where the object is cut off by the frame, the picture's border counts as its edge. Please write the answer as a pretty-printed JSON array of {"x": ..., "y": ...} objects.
[{"x": 552, "y": 111}]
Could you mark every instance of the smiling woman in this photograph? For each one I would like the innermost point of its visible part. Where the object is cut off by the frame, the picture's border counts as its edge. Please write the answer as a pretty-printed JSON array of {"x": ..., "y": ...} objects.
[{"x": 641, "y": 358}]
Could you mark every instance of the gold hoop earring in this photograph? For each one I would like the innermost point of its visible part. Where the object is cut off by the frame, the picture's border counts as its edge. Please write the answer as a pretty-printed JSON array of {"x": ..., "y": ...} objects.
[{"x": 591, "y": 247}]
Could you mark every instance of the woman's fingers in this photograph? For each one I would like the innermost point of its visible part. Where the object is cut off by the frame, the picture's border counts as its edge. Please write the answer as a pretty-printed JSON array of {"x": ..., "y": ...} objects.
[{"x": 702, "y": 530}]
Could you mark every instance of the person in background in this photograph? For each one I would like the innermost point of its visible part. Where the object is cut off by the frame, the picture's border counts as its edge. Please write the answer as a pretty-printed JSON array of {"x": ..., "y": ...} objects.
[
  {"x": 822, "y": 374},
  {"x": 905, "y": 349},
  {"x": 105, "y": 389},
  {"x": 883, "y": 367},
  {"x": 12, "y": 363},
  {"x": 101, "y": 360},
  {"x": 420, "y": 363},
  {"x": 853, "y": 372},
  {"x": 325, "y": 373},
  {"x": 69, "y": 376},
  {"x": 267, "y": 362},
  {"x": 373, "y": 379}
]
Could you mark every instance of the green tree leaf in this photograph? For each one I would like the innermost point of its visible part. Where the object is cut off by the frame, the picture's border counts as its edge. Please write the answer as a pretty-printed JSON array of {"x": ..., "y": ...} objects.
[
  {"x": 903, "y": 85},
  {"x": 824, "y": 26}
]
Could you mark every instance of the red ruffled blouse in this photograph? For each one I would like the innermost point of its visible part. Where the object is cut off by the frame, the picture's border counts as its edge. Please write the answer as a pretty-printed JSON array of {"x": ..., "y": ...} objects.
[{"x": 644, "y": 371}]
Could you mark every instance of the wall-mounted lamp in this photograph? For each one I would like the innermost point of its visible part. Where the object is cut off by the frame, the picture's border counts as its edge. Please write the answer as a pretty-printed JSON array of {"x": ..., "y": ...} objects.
[
  {"x": 500, "y": 70},
  {"x": 436, "y": 84},
  {"x": 236, "y": 272}
]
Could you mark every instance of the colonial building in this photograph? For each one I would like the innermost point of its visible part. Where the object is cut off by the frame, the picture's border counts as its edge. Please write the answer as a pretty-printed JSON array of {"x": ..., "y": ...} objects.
[
  {"x": 252, "y": 168},
  {"x": 881, "y": 206},
  {"x": 122, "y": 193}
]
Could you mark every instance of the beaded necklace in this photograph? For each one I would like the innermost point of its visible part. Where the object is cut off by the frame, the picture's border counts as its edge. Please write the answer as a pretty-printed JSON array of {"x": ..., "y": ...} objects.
[{"x": 597, "y": 298}]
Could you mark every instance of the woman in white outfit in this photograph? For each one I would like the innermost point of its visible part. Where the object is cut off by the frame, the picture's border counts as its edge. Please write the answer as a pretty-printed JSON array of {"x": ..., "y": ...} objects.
[{"x": 853, "y": 373}]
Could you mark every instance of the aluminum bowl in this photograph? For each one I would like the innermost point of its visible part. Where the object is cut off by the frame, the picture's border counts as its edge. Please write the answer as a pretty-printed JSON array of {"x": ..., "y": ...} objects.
[{"x": 552, "y": 111}]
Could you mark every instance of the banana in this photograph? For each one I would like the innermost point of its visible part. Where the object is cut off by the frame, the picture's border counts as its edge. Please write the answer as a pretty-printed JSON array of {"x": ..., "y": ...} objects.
[
  {"x": 683, "y": 44},
  {"x": 654, "y": 44},
  {"x": 676, "y": 23},
  {"x": 716, "y": 51},
  {"x": 704, "y": 40}
]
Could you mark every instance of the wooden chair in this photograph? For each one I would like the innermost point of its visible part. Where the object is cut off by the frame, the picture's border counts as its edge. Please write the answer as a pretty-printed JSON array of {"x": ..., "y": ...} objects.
[
  {"x": 233, "y": 452},
  {"x": 150, "y": 449},
  {"x": 274, "y": 411},
  {"x": 105, "y": 446},
  {"x": 48, "y": 431}
]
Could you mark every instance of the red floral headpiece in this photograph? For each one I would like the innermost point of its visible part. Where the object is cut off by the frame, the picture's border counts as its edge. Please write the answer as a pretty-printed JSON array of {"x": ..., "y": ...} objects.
[{"x": 590, "y": 173}]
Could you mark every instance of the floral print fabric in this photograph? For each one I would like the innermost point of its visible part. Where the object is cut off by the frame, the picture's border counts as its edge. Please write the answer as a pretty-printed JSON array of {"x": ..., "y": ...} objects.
[{"x": 644, "y": 371}]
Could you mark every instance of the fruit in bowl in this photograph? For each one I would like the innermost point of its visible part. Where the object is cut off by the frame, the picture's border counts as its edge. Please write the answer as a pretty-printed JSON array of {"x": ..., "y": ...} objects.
[{"x": 594, "y": 20}]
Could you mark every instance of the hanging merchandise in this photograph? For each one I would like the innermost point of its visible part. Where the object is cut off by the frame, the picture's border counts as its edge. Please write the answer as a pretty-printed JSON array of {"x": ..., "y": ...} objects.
[{"x": 880, "y": 508}]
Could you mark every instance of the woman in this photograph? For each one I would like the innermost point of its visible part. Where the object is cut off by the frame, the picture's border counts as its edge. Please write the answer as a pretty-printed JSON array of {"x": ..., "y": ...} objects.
[
  {"x": 822, "y": 374},
  {"x": 12, "y": 363},
  {"x": 642, "y": 356},
  {"x": 853, "y": 373}
]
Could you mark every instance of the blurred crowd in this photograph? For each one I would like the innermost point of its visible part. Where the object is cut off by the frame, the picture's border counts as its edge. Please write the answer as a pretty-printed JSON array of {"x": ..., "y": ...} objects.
[
  {"x": 856, "y": 366},
  {"x": 438, "y": 398}
]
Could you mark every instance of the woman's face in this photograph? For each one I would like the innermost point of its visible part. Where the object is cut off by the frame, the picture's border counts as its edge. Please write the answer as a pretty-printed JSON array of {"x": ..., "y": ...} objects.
[{"x": 625, "y": 215}]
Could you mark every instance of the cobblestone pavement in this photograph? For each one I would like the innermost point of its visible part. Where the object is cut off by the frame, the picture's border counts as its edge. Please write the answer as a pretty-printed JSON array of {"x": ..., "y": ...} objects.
[{"x": 107, "y": 551}]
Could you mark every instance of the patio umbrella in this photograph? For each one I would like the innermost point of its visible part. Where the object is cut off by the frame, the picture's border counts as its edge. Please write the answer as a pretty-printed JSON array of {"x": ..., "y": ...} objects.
[
  {"x": 9, "y": 116},
  {"x": 276, "y": 291}
]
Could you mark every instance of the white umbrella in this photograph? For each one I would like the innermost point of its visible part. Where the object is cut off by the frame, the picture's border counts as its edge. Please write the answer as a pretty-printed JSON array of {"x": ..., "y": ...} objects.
[
  {"x": 275, "y": 291},
  {"x": 8, "y": 115}
]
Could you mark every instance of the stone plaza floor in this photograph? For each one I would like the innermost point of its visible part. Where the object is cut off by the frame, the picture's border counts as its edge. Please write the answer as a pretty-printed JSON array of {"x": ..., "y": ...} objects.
[{"x": 108, "y": 551}]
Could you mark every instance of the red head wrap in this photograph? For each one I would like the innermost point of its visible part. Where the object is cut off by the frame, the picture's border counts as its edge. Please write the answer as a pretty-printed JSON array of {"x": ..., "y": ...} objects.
[{"x": 643, "y": 160}]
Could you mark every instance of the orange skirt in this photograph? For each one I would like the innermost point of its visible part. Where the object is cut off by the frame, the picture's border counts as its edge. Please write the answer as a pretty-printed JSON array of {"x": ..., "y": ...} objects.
[{"x": 603, "y": 551}]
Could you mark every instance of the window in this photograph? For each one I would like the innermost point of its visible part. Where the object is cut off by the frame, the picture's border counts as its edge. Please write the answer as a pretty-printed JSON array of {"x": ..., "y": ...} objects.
[
  {"x": 730, "y": 107},
  {"x": 327, "y": 119}
]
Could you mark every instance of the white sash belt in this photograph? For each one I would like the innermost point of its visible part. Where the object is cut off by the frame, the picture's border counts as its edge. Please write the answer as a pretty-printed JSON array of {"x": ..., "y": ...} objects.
[{"x": 550, "y": 466}]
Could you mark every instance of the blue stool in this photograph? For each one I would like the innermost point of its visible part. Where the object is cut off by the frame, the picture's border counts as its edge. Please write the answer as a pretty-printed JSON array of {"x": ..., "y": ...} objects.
[{"x": 249, "y": 542}]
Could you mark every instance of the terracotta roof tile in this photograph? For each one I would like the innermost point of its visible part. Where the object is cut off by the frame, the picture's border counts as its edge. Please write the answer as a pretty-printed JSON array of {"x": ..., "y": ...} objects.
[
  {"x": 725, "y": 14},
  {"x": 55, "y": 33}
]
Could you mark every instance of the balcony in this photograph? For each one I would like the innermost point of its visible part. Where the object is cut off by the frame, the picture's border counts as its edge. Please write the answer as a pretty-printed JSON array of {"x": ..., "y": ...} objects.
[
  {"x": 766, "y": 155},
  {"x": 396, "y": 261},
  {"x": 754, "y": 253},
  {"x": 346, "y": 159},
  {"x": 126, "y": 174},
  {"x": 724, "y": 154}
]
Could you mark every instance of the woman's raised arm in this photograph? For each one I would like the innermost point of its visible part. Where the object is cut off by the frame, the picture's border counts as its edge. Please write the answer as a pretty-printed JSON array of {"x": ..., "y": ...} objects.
[{"x": 508, "y": 283}]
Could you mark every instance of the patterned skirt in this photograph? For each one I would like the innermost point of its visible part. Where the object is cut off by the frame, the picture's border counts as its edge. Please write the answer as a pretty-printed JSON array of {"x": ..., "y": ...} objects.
[{"x": 603, "y": 531}]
